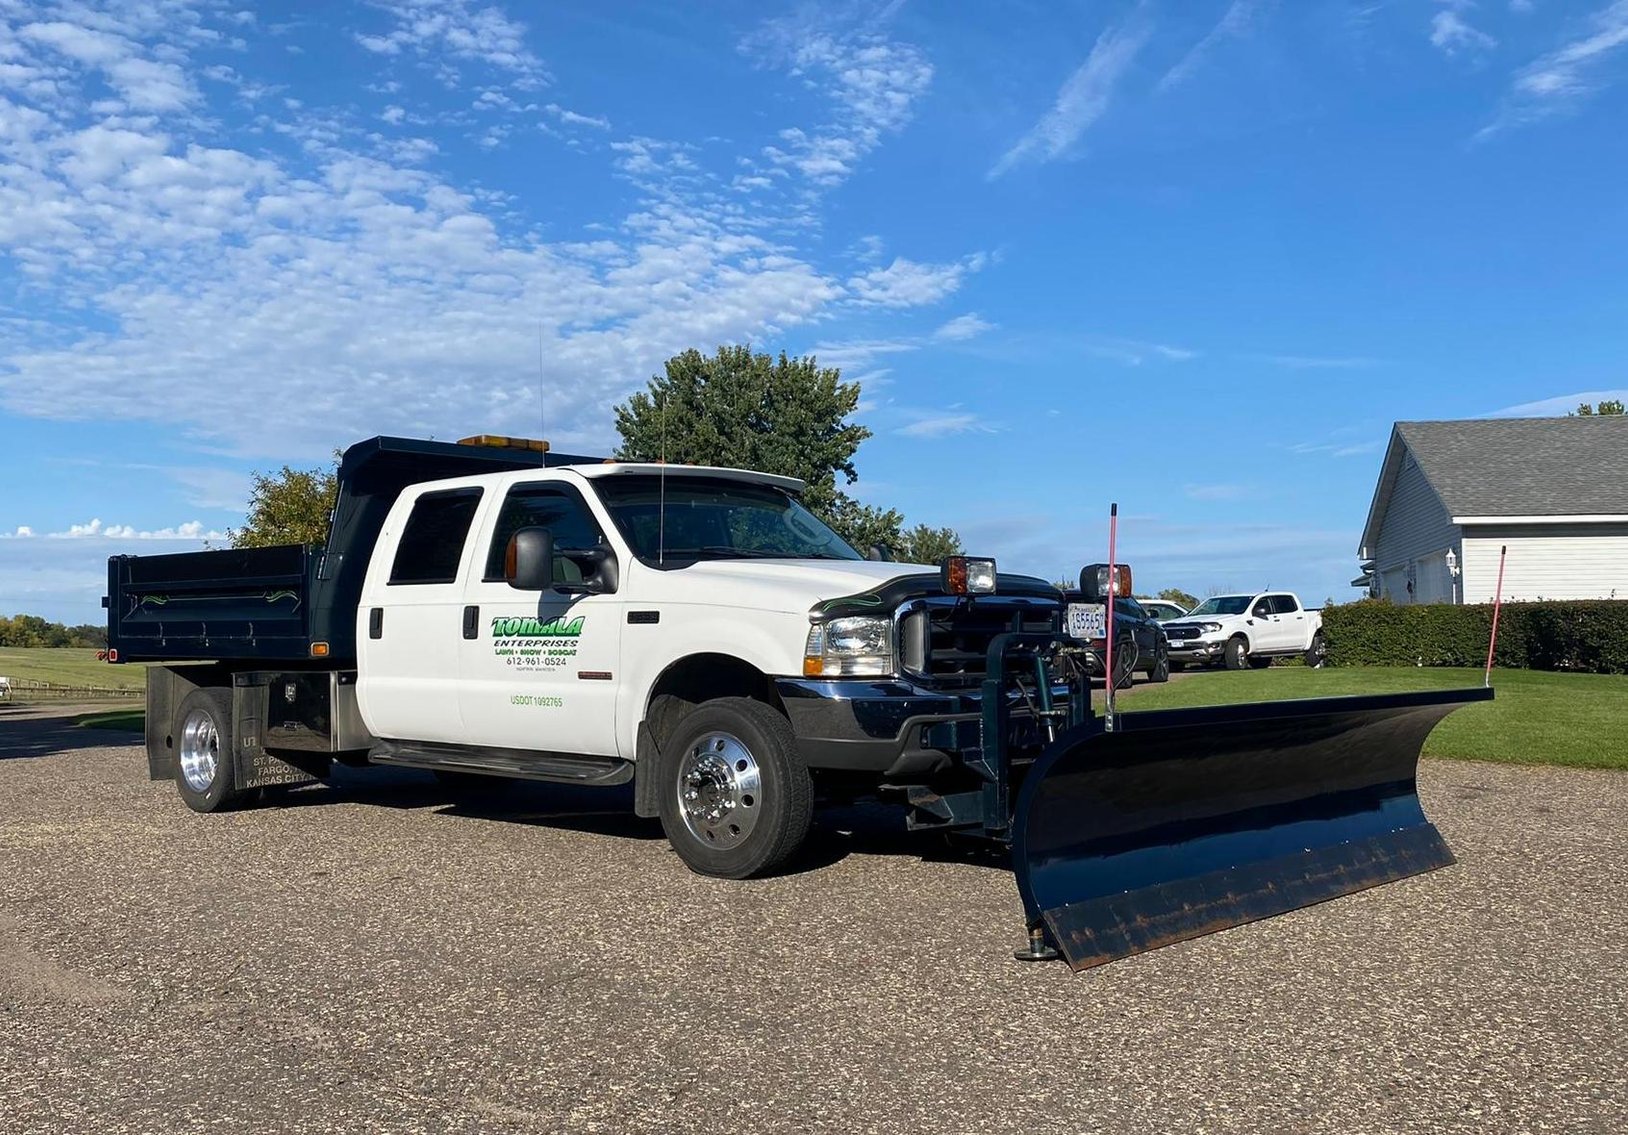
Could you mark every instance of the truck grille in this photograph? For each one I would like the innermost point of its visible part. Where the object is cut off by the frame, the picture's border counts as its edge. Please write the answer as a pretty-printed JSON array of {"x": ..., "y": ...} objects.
[
  {"x": 1177, "y": 634},
  {"x": 947, "y": 641}
]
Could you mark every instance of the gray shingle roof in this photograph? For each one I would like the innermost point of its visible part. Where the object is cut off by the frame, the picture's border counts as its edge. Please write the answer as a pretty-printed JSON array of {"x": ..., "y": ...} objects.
[{"x": 1524, "y": 466}]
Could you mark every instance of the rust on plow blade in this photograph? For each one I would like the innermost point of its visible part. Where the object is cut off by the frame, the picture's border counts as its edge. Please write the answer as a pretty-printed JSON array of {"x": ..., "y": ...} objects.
[{"x": 1183, "y": 822}]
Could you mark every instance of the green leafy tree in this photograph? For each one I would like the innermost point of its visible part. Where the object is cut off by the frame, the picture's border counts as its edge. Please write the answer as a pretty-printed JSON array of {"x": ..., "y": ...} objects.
[
  {"x": 290, "y": 506},
  {"x": 1177, "y": 595},
  {"x": 1602, "y": 409},
  {"x": 926, "y": 545},
  {"x": 752, "y": 411},
  {"x": 34, "y": 631},
  {"x": 775, "y": 414}
]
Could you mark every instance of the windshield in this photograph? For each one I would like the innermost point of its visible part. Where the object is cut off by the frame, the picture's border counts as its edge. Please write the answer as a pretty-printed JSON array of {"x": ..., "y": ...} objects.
[
  {"x": 712, "y": 518},
  {"x": 1223, "y": 605}
]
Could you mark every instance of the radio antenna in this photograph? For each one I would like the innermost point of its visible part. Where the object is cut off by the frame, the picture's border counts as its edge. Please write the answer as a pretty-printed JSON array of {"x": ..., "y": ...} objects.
[{"x": 542, "y": 386}]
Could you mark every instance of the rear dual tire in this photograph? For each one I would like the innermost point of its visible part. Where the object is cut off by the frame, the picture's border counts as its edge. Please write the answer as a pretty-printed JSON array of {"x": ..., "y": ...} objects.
[{"x": 205, "y": 772}]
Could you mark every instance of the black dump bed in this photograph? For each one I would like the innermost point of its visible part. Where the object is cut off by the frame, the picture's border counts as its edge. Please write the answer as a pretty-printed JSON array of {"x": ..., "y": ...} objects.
[
  {"x": 237, "y": 603},
  {"x": 275, "y": 604}
]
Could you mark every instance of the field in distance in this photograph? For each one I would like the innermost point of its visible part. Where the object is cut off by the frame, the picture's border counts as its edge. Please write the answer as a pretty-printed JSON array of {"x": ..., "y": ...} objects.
[{"x": 69, "y": 667}]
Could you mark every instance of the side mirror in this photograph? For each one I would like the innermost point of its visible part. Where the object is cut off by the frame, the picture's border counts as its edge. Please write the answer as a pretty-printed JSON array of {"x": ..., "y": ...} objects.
[
  {"x": 1094, "y": 582},
  {"x": 1260, "y": 611},
  {"x": 528, "y": 562},
  {"x": 880, "y": 553}
]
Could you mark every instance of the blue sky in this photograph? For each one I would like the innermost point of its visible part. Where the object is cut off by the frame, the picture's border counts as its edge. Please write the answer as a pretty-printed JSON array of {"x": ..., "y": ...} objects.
[{"x": 1194, "y": 257}]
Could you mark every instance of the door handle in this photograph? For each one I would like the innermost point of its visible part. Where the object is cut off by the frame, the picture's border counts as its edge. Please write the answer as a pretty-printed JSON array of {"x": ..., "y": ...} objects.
[
  {"x": 375, "y": 623},
  {"x": 471, "y": 622}
]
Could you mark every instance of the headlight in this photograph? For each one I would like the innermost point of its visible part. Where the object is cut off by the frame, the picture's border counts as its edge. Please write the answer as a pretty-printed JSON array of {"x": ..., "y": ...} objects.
[
  {"x": 861, "y": 645},
  {"x": 1212, "y": 627}
]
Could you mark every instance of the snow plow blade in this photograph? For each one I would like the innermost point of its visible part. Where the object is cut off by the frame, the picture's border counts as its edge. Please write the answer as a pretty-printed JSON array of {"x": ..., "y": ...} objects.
[{"x": 1183, "y": 822}]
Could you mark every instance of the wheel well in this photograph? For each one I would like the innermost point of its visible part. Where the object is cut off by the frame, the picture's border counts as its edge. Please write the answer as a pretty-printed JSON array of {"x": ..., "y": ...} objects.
[{"x": 701, "y": 677}]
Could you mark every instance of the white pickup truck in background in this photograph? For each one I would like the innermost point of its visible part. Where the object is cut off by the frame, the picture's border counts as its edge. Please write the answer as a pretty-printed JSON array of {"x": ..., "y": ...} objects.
[{"x": 1247, "y": 630}]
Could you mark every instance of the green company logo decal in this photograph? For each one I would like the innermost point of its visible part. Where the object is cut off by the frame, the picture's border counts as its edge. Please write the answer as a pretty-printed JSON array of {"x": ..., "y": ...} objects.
[{"x": 508, "y": 627}]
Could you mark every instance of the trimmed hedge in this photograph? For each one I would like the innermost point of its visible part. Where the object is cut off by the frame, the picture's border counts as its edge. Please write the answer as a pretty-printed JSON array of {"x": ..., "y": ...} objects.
[{"x": 1588, "y": 635}]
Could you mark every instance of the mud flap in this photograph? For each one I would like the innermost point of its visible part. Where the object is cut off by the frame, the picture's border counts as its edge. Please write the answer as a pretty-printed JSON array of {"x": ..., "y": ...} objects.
[{"x": 1183, "y": 822}]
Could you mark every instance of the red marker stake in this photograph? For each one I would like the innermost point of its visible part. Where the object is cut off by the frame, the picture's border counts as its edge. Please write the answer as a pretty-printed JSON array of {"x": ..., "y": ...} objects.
[
  {"x": 1497, "y": 606},
  {"x": 1108, "y": 652}
]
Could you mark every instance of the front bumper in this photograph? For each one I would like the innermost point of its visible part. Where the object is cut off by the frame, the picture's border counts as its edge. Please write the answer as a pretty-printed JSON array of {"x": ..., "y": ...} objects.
[
  {"x": 1197, "y": 649},
  {"x": 894, "y": 728}
]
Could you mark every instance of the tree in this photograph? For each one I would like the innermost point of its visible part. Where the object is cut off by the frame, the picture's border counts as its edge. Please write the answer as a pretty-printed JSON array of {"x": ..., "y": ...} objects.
[
  {"x": 1606, "y": 408},
  {"x": 751, "y": 411},
  {"x": 924, "y": 545},
  {"x": 778, "y": 415},
  {"x": 290, "y": 506},
  {"x": 1177, "y": 595}
]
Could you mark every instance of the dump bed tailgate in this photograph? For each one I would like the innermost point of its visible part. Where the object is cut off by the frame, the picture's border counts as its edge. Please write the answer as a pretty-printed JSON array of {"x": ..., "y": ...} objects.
[{"x": 251, "y": 603}]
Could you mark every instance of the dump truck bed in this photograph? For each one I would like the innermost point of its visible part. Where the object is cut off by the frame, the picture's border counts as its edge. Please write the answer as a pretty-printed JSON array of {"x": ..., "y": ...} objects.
[{"x": 239, "y": 603}]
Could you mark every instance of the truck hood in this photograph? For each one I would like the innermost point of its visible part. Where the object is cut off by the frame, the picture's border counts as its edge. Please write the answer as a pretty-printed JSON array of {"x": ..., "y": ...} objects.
[{"x": 840, "y": 586}]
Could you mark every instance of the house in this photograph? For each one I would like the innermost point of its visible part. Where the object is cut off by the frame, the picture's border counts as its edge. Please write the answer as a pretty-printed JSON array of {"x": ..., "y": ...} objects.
[{"x": 1451, "y": 494}]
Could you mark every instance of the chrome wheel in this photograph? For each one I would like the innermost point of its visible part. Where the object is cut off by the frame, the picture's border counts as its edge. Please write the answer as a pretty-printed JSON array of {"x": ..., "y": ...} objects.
[
  {"x": 720, "y": 790},
  {"x": 200, "y": 750}
]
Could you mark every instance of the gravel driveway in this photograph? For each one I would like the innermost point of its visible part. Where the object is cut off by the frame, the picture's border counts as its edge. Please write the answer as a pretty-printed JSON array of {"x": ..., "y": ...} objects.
[{"x": 386, "y": 955}]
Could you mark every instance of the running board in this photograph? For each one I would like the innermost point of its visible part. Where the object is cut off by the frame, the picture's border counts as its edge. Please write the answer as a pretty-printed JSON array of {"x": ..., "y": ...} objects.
[{"x": 524, "y": 764}]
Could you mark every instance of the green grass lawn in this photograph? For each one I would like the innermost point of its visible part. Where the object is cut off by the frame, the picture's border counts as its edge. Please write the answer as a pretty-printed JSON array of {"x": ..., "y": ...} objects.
[
  {"x": 130, "y": 720},
  {"x": 1579, "y": 720},
  {"x": 68, "y": 667}
]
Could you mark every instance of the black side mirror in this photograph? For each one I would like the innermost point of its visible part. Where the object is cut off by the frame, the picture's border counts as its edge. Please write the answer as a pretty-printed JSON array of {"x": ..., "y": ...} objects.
[
  {"x": 528, "y": 562},
  {"x": 880, "y": 553},
  {"x": 1260, "y": 611}
]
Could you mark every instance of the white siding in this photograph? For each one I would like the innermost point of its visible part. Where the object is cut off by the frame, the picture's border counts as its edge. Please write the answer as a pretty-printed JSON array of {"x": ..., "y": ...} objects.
[
  {"x": 1547, "y": 561},
  {"x": 1413, "y": 535}
]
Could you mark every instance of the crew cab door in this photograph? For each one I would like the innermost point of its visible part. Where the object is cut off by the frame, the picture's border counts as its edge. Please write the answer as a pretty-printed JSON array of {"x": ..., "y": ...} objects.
[
  {"x": 538, "y": 669},
  {"x": 1292, "y": 625},
  {"x": 407, "y": 630}
]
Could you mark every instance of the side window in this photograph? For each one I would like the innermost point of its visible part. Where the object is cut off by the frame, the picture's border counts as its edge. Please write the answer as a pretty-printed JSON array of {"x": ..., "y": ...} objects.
[
  {"x": 433, "y": 541},
  {"x": 1284, "y": 605},
  {"x": 557, "y": 508}
]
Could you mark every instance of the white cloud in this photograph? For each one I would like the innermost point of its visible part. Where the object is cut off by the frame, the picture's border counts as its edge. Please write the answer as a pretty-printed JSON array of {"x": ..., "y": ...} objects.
[
  {"x": 572, "y": 118},
  {"x": 1556, "y": 82},
  {"x": 941, "y": 425},
  {"x": 906, "y": 283},
  {"x": 872, "y": 81},
  {"x": 193, "y": 530},
  {"x": 1452, "y": 34},
  {"x": 1234, "y": 23},
  {"x": 279, "y": 301},
  {"x": 456, "y": 29},
  {"x": 1083, "y": 99},
  {"x": 1336, "y": 448},
  {"x": 1135, "y": 352},
  {"x": 967, "y": 326}
]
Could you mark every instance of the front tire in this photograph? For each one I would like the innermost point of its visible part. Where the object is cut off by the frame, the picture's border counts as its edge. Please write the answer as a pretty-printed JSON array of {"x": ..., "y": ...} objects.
[
  {"x": 1161, "y": 668},
  {"x": 736, "y": 798},
  {"x": 1236, "y": 654},
  {"x": 204, "y": 770}
]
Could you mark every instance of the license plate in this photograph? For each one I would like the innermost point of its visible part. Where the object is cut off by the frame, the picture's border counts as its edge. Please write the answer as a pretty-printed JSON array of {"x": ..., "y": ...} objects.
[{"x": 1087, "y": 620}]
